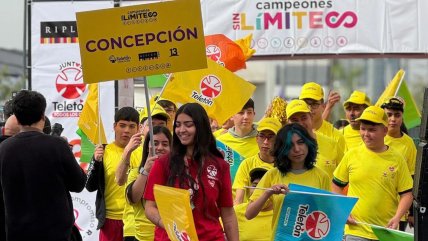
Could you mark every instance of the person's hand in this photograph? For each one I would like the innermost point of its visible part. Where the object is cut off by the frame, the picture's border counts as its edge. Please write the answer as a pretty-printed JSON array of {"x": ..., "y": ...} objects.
[
  {"x": 333, "y": 98},
  {"x": 99, "y": 153},
  {"x": 149, "y": 163},
  {"x": 351, "y": 220},
  {"x": 134, "y": 142},
  {"x": 394, "y": 223},
  {"x": 279, "y": 189},
  {"x": 411, "y": 220}
]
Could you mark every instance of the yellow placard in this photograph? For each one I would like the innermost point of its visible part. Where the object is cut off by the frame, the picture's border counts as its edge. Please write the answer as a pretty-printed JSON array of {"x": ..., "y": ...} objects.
[
  {"x": 141, "y": 40},
  {"x": 175, "y": 211}
]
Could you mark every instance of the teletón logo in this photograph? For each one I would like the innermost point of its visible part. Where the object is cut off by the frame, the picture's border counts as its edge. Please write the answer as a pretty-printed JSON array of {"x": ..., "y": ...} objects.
[
  {"x": 316, "y": 224},
  {"x": 69, "y": 82},
  {"x": 210, "y": 87},
  {"x": 214, "y": 52}
]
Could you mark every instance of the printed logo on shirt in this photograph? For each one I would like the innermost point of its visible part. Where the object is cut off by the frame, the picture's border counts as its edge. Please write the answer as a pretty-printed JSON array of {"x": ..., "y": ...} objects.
[
  {"x": 385, "y": 174},
  {"x": 212, "y": 170},
  {"x": 390, "y": 173},
  {"x": 330, "y": 163},
  {"x": 212, "y": 175}
]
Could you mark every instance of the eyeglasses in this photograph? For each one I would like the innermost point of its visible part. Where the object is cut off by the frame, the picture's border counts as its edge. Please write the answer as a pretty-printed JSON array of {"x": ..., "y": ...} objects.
[
  {"x": 313, "y": 104},
  {"x": 265, "y": 137}
]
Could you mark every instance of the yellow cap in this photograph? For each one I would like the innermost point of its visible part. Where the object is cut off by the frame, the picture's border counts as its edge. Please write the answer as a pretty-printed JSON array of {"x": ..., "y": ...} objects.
[
  {"x": 359, "y": 98},
  {"x": 269, "y": 123},
  {"x": 156, "y": 97},
  {"x": 374, "y": 114},
  {"x": 158, "y": 110},
  {"x": 296, "y": 106},
  {"x": 312, "y": 90}
]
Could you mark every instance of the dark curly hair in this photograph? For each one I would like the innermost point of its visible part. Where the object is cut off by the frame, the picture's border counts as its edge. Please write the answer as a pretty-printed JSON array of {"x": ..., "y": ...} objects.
[
  {"x": 29, "y": 107},
  {"x": 283, "y": 146}
]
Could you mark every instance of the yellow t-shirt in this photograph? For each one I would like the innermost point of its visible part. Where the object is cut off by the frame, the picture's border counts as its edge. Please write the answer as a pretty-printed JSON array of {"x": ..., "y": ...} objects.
[
  {"x": 128, "y": 211},
  {"x": 315, "y": 177},
  {"x": 116, "y": 207},
  {"x": 242, "y": 177},
  {"x": 352, "y": 137},
  {"x": 406, "y": 147},
  {"x": 245, "y": 146},
  {"x": 328, "y": 129},
  {"x": 114, "y": 194},
  {"x": 144, "y": 228},
  {"x": 376, "y": 179},
  {"x": 329, "y": 155},
  {"x": 256, "y": 229}
]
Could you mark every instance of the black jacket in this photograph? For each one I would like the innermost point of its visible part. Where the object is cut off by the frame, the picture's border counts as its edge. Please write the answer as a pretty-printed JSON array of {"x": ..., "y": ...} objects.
[
  {"x": 96, "y": 182},
  {"x": 38, "y": 172}
]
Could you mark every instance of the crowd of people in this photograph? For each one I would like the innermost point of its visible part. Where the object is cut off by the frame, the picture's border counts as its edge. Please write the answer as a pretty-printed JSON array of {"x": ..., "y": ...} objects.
[{"x": 367, "y": 155}]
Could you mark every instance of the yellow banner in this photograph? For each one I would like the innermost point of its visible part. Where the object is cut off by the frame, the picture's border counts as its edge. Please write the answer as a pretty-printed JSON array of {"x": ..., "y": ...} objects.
[
  {"x": 90, "y": 120},
  {"x": 141, "y": 40},
  {"x": 174, "y": 208},
  {"x": 221, "y": 92}
]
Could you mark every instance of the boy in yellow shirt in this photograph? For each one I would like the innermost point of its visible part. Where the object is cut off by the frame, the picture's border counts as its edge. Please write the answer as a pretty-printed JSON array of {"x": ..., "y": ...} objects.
[
  {"x": 313, "y": 94},
  {"x": 242, "y": 136},
  {"x": 354, "y": 107},
  {"x": 377, "y": 175},
  {"x": 110, "y": 201},
  {"x": 266, "y": 133}
]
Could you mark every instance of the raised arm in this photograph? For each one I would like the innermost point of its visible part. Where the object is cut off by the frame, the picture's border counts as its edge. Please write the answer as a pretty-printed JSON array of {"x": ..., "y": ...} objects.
[
  {"x": 94, "y": 168},
  {"x": 123, "y": 167}
]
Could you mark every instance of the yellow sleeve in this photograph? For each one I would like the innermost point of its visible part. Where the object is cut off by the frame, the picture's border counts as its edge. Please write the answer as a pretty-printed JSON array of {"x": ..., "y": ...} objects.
[
  {"x": 341, "y": 174},
  {"x": 405, "y": 181},
  {"x": 340, "y": 148},
  {"x": 325, "y": 181},
  {"x": 411, "y": 161}
]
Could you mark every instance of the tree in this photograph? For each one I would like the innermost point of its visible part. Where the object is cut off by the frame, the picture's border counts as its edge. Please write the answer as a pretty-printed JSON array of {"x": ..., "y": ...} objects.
[{"x": 9, "y": 84}]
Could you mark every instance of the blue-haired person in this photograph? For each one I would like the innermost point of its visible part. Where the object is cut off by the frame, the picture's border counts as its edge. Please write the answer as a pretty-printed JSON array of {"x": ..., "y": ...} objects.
[{"x": 295, "y": 152}]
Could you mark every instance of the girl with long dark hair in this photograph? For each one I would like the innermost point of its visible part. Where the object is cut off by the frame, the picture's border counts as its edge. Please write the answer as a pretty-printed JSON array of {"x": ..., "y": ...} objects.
[
  {"x": 162, "y": 139},
  {"x": 195, "y": 164}
]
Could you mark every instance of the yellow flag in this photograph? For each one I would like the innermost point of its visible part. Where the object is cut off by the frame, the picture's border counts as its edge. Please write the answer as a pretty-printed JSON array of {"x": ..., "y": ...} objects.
[
  {"x": 392, "y": 87},
  {"x": 221, "y": 92},
  {"x": 90, "y": 121},
  {"x": 245, "y": 44},
  {"x": 398, "y": 87},
  {"x": 175, "y": 211}
]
